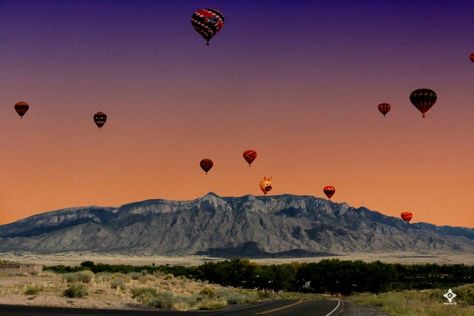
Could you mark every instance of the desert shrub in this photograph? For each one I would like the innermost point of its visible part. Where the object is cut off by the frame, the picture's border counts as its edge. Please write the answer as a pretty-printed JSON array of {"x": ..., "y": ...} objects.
[
  {"x": 135, "y": 275},
  {"x": 76, "y": 291},
  {"x": 211, "y": 305},
  {"x": 465, "y": 293},
  {"x": 81, "y": 276},
  {"x": 163, "y": 300},
  {"x": 144, "y": 295},
  {"x": 119, "y": 283},
  {"x": 169, "y": 277},
  {"x": 208, "y": 291},
  {"x": 33, "y": 289}
]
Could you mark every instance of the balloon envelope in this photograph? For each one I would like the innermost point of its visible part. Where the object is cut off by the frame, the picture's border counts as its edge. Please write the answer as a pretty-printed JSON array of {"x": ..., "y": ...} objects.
[
  {"x": 472, "y": 57},
  {"x": 329, "y": 190},
  {"x": 99, "y": 119},
  {"x": 266, "y": 185},
  {"x": 423, "y": 99},
  {"x": 207, "y": 22},
  {"x": 384, "y": 108},
  {"x": 21, "y": 108},
  {"x": 206, "y": 164},
  {"x": 406, "y": 216},
  {"x": 249, "y": 156}
]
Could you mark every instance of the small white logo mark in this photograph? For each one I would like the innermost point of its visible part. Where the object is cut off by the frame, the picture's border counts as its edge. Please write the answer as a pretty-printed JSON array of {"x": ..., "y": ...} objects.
[{"x": 450, "y": 295}]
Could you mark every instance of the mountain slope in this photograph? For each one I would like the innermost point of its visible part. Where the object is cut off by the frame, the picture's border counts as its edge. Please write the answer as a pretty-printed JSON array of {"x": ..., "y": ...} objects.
[{"x": 251, "y": 226}]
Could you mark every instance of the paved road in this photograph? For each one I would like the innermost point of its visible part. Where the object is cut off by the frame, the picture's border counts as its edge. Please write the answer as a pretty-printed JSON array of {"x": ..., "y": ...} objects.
[{"x": 273, "y": 308}]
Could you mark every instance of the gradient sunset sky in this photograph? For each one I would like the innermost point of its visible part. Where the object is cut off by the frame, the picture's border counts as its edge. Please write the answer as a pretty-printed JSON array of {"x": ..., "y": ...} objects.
[{"x": 298, "y": 81}]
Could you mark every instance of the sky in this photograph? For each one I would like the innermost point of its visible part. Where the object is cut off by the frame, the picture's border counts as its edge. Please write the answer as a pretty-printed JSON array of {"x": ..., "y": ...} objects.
[{"x": 298, "y": 81}]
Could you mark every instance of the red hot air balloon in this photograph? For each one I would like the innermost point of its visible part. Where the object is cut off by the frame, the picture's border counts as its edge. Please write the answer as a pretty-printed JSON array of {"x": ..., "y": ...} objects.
[
  {"x": 384, "y": 108},
  {"x": 423, "y": 99},
  {"x": 472, "y": 57},
  {"x": 207, "y": 22},
  {"x": 406, "y": 216},
  {"x": 329, "y": 190},
  {"x": 99, "y": 119},
  {"x": 21, "y": 108},
  {"x": 249, "y": 156},
  {"x": 206, "y": 165}
]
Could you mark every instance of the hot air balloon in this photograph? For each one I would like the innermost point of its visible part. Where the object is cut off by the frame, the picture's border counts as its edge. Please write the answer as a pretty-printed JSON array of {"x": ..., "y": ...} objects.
[
  {"x": 423, "y": 99},
  {"x": 472, "y": 57},
  {"x": 266, "y": 185},
  {"x": 406, "y": 216},
  {"x": 100, "y": 118},
  {"x": 329, "y": 190},
  {"x": 206, "y": 164},
  {"x": 384, "y": 108},
  {"x": 21, "y": 108},
  {"x": 207, "y": 22},
  {"x": 249, "y": 156}
]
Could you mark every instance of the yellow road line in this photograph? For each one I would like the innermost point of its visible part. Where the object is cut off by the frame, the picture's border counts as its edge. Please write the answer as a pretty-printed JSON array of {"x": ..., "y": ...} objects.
[{"x": 281, "y": 308}]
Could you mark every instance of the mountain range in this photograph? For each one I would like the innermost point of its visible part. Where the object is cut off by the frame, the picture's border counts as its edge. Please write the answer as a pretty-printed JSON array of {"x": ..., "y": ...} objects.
[{"x": 252, "y": 226}]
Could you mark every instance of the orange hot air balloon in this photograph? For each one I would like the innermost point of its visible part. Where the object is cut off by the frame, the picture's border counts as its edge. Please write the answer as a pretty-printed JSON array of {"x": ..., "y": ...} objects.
[
  {"x": 406, "y": 216},
  {"x": 472, "y": 57},
  {"x": 266, "y": 185},
  {"x": 206, "y": 165},
  {"x": 249, "y": 156},
  {"x": 21, "y": 108},
  {"x": 99, "y": 119},
  {"x": 384, "y": 108},
  {"x": 329, "y": 190}
]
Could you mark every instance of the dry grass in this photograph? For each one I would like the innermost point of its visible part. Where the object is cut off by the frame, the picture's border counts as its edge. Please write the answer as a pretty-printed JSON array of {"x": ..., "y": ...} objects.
[
  {"x": 117, "y": 290},
  {"x": 421, "y": 303}
]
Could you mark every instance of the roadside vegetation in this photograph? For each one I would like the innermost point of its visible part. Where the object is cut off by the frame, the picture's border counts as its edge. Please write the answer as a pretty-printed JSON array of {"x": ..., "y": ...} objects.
[{"x": 421, "y": 303}]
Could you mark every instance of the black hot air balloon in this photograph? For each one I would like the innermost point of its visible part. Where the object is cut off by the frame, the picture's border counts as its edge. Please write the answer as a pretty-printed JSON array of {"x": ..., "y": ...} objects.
[
  {"x": 207, "y": 22},
  {"x": 423, "y": 99},
  {"x": 21, "y": 108},
  {"x": 384, "y": 108},
  {"x": 206, "y": 164},
  {"x": 99, "y": 119}
]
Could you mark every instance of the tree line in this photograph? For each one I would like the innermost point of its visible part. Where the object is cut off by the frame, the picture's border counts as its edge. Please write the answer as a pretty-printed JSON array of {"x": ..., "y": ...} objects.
[{"x": 327, "y": 276}]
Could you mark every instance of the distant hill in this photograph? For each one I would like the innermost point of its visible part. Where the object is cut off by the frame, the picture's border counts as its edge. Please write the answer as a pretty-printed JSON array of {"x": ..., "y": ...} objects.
[{"x": 251, "y": 226}]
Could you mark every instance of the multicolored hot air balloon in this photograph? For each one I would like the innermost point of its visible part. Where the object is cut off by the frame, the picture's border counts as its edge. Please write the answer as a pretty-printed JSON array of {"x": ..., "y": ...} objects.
[
  {"x": 423, "y": 99},
  {"x": 406, "y": 216},
  {"x": 249, "y": 156},
  {"x": 471, "y": 57},
  {"x": 207, "y": 22},
  {"x": 329, "y": 190},
  {"x": 99, "y": 119},
  {"x": 266, "y": 185},
  {"x": 21, "y": 108},
  {"x": 206, "y": 164},
  {"x": 384, "y": 108}
]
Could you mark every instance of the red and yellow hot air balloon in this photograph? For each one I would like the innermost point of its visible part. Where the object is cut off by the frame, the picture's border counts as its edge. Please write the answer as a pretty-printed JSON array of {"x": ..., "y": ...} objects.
[
  {"x": 206, "y": 164},
  {"x": 21, "y": 108},
  {"x": 249, "y": 156},
  {"x": 266, "y": 185},
  {"x": 384, "y": 108},
  {"x": 329, "y": 190},
  {"x": 406, "y": 216}
]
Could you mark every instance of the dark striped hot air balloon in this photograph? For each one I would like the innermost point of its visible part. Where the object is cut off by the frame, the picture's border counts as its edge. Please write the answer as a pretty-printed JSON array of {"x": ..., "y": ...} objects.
[
  {"x": 207, "y": 22},
  {"x": 329, "y": 190},
  {"x": 206, "y": 165},
  {"x": 249, "y": 156},
  {"x": 472, "y": 57},
  {"x": 99, "y": 119},
  {"x": 384, "y": 108},
  {"x": 423, "y": 99},
  {"x": 406, "y": 216},
  {"x": 21, "y": 108}
]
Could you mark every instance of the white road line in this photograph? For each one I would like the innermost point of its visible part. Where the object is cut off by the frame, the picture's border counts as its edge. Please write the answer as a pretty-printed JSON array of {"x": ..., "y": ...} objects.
[{"x": 335, "y": 309}]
